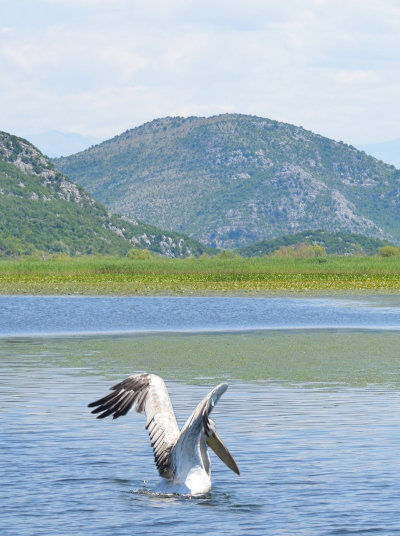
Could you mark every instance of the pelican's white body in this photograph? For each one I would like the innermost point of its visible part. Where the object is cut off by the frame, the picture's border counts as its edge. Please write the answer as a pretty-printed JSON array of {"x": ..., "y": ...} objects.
[
  {"x": 197, "y": 483},
  {"x": 192, "y": 467}
]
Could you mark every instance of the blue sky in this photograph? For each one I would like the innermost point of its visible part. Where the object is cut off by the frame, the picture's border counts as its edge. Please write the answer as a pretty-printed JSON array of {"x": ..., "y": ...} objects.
[{"x": 99, "y": 67}]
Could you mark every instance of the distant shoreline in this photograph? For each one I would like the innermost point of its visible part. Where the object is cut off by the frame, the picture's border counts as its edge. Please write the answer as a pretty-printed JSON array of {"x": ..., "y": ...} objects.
[{"x": 202, "y": 277}]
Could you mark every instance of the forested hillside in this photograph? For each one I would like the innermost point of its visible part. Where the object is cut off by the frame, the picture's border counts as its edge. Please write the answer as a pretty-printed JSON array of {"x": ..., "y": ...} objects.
[
  {"x": 334, "y": 243},
  {"x": 42, "y": 211}
]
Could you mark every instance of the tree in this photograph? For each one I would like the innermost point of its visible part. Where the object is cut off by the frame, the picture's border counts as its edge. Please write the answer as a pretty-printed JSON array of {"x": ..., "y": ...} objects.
[
  {"x": 300, "y": 251},
  {"x": 389, "y": 251},
  {"x": 138, "y": 254}
]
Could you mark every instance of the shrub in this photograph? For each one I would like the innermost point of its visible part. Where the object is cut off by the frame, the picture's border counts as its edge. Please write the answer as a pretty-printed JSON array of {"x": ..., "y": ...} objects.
[
  {"x": 300, "y": 251},
  {"x": 59, "y": 246},
  {"x": 389, "y": 251},
  {"x": 139, "y": 254}
]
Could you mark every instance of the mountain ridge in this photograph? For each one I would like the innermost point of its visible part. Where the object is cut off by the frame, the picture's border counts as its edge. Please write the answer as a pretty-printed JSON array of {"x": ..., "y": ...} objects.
[
  {"x": 232, "y": 179},
  {"x": 41, "y": 210}
]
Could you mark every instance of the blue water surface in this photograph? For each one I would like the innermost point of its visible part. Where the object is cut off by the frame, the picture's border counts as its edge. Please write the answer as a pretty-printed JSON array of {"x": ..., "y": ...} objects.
[
  {"x": 30, "y": 315},
  {"x": 315, "y": 460}
]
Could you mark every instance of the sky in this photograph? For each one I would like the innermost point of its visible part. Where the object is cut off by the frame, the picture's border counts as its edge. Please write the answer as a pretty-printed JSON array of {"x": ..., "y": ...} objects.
[{"x": 100, "y": 67}]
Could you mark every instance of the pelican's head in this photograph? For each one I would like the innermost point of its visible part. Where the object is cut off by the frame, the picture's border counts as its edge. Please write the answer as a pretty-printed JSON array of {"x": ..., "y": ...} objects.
[{"x": 215, "y": 442}]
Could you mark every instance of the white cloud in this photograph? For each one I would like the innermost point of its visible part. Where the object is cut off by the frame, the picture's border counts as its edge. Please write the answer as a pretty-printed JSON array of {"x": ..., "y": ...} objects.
[
  {"x": 354, "y": 77},
  {"x": 99, "y": 67}
]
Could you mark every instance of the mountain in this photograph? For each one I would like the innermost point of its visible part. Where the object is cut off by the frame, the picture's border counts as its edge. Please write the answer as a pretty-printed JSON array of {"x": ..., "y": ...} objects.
[
  {"x": 42, "y": 211},
  {"x": 335, "y": 243},
  {"x": 388, "y": 151},
  {"x": 55, "y": 143},
  {"x": 231, "y": 179}
]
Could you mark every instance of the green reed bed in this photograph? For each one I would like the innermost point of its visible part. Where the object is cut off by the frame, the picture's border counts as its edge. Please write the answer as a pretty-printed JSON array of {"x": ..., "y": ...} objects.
[{"x": 114, "y": 275}]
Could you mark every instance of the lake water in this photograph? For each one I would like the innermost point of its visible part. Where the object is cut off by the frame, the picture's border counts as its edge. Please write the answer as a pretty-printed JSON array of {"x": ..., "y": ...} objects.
[{"x": 311, "y": 415}]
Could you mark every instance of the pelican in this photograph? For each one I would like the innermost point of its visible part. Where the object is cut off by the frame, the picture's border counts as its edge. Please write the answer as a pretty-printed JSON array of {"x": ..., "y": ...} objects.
[{"x": 181, "y": 457}]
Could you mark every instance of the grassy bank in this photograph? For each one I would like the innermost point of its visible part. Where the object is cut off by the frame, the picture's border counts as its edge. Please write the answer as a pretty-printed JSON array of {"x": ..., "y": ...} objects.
[{"x": 113, "y": 275}]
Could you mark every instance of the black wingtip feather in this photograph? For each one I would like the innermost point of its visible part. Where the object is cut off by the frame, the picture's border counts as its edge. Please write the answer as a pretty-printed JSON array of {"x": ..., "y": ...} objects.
[{"x": 101, "y": 401}]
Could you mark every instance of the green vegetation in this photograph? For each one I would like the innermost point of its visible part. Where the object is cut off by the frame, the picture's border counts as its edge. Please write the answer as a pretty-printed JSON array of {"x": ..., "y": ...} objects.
[
  {"x": 139, "y": 254},
  {"x": 232, "y": 179},
  {"x": 41, "y": 211},
  {"x": 326, "y": 356},
  {"x": 389, "y": 251},
  {"x": 300, "y": 251},
  {"x": 338, "y": 243},
  {"x": 205, "y": 275}
]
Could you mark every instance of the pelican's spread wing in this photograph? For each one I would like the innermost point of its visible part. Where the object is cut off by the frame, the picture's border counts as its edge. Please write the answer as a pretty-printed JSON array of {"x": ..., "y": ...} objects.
[
  {"x": 200, "y": 415},
  {"x": 199, "y": 418},
  {"x": 148, "y": 394},
  {"x": 198, "y": 421}
]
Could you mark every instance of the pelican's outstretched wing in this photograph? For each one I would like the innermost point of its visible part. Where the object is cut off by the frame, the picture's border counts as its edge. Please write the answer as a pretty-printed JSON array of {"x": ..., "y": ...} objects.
[
  {"x": 148, "y": 394},
  {"x": 199, "y": 417},
  {"x": 199, "y": 421}
]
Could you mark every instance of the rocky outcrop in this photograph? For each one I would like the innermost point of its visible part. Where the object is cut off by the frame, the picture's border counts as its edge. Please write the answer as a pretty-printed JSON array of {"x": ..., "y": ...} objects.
[{"x": 41, "y": 210}]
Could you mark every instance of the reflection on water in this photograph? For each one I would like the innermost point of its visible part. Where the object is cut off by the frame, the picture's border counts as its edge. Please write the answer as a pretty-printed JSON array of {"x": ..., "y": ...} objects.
[{"x": 320, "y": 460}]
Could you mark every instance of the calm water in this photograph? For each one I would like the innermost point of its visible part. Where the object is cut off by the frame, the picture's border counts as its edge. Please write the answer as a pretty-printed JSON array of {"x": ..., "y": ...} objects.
[
  {"x": 30, "y": 315},
  {"x": 311, "y": 415}
]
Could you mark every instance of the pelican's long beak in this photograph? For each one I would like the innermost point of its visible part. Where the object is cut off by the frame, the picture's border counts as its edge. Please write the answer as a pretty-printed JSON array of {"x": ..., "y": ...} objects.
[{"x": 215, "y": 442}]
